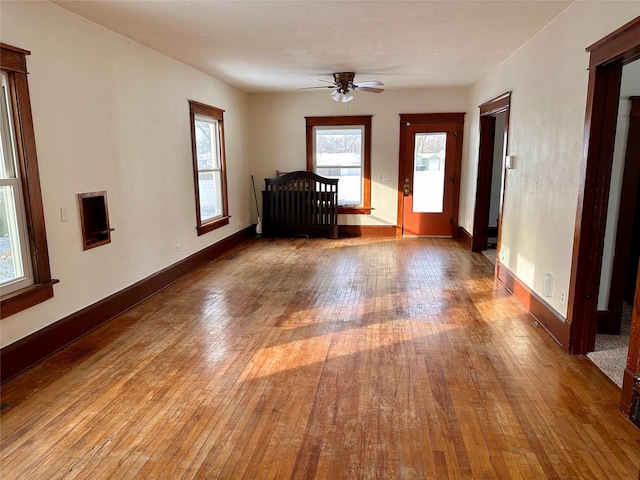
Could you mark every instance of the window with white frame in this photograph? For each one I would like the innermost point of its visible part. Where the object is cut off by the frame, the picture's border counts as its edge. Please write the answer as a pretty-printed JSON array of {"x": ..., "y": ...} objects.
[
  {"x": 339, "y": 147},
  {"x": 207, "y": 132}
]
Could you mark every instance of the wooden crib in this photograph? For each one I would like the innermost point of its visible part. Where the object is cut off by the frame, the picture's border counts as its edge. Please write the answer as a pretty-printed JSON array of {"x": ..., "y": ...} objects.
[{"x": 300, "y": 203}]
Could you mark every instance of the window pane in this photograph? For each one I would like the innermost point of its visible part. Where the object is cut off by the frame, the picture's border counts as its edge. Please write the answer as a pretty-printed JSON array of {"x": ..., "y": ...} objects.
[
  {"x": 338, "y": 147},
  {"x": 210, "y": 188},
  {"x": 349, "y": 186},
  {"x": 7, "y": 159},
  {"x": 11, "y": 267},
  {"x": 338, "y": 154},
  {"x": 207, "y": 143},
  {"x": 428, "y": 175}
]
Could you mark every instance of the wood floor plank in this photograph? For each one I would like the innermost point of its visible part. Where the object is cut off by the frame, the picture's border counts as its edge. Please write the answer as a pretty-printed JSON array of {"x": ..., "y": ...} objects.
[{"x": 324, "y": 359}]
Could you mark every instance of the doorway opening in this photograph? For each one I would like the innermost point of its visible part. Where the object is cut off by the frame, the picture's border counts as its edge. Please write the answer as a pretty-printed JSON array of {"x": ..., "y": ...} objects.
[
  {"x": 622, "y": 236},
  {"x": 494, "y": 129},
  {"x": 606, "y": 61}
]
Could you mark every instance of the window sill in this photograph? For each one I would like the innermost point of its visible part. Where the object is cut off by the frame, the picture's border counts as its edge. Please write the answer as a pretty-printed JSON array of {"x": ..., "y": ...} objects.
[
  {"x": 213, "y": 225},
  {"x": 354, "y": 210},
  {"x": 28, "y": 297}
]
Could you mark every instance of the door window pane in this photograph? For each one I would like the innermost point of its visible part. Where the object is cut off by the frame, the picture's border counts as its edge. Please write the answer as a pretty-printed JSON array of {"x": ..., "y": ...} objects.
[{"x": 428, "y": 172}]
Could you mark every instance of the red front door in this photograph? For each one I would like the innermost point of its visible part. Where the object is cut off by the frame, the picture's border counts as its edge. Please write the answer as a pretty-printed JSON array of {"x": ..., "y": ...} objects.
[{"x": 429, "y": 183}]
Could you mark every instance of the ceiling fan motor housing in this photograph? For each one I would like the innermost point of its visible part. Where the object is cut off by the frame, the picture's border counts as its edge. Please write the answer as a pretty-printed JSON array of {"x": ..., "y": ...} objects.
[{"x": 344, "y": 81}]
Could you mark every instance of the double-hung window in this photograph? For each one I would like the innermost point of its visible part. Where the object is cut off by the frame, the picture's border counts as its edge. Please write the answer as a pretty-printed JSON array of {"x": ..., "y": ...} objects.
[
  {"x": 15, "y": 261},
  {"x": 25, "y": 276},
  {"x": 340, "y": 147},
  {"x": 207, "y": 134}
]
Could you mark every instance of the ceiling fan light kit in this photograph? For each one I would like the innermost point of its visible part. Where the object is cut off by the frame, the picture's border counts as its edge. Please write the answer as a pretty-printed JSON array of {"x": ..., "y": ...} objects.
[
  {"x": 339, "y": 96},
  {"x": 343, "y": 85}
]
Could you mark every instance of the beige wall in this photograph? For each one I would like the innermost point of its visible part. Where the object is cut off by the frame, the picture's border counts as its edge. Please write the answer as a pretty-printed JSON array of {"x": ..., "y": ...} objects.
[
  {"x": 278, "y": 135},
  {"x": 112, "y": 115},
  {"x": 548, "y": 77}
]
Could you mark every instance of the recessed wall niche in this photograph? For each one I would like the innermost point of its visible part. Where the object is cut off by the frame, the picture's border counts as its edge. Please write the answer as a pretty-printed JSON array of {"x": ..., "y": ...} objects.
[{"x": 94, "y": 216}]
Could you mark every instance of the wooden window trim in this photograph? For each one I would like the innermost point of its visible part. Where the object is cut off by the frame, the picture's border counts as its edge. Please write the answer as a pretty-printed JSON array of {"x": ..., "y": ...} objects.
[
  {"x": 13, "y": 60},
  {"x": 196, "y": 108},
  {"x": 338, "y": 121}
]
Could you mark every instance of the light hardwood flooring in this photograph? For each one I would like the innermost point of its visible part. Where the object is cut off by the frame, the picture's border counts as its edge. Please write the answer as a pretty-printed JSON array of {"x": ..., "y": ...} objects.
[{"x": 328, "y": 359}]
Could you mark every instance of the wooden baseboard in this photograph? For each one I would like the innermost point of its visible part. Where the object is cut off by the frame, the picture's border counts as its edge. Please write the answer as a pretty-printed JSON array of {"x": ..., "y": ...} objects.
[
  {"x": 546, "y": 316},
  {"x": 609, "y": 321},
  {"x": 465, "y": 238},
  {"x": 27, "y": 352},
  {"x": 387, "y": 231}
]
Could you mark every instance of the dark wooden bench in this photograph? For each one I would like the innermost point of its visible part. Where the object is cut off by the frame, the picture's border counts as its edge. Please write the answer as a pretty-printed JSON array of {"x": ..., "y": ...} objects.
[{"x": 300, "y": 203}]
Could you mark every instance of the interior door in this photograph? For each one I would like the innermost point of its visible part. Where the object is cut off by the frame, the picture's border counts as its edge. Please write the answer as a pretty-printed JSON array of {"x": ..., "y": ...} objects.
[{"x": 429, "y": 183}]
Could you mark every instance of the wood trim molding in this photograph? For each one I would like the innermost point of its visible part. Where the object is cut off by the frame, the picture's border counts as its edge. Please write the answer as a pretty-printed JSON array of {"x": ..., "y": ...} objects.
[
  {"x": 626, "y": 393},
  {"x": 609, "y": 321},
  {"x": 607, "y": 57},
  {"x": 540, "y": 310},
  {"x": 454, "y": 117},
  {"x": 27, "y": 352},
  {"x": 620, "y": 45},
  {"x": 496, "y": 105},
  {"x": 14, "y": 58},
  {"x": 465, "y": 238},
  {"x": 633, "y": 354},
  {"x": 382, "y": 231}
]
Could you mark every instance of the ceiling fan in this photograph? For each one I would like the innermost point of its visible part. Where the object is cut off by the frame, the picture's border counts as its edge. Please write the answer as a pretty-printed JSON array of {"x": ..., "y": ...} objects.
[{"x": 343, "y": 83}]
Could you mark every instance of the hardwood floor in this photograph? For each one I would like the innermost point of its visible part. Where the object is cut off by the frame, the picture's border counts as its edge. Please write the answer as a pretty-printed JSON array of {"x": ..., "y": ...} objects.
[{"x": 329, "y": 359}]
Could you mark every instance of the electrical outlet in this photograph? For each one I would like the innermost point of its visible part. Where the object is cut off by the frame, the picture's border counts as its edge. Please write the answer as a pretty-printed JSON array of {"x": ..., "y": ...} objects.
[
  {"x": 240, "y": 224},
  {"x": 386, "y": 177},
  {"x": 178, "y": 249},
  {"x": 563, "y": 296}
]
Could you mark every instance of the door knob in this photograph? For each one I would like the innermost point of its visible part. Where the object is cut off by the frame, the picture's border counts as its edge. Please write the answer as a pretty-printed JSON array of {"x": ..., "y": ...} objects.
[{"x": 406, "y": 190}]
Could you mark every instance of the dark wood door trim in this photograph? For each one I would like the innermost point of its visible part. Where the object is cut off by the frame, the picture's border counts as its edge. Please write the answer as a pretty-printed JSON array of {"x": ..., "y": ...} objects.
[
  {"x": 455, "y": 117},
  {"x": 488, "y": 112},
  {"x": 605, "y": 74},
  {"x": 633, "y": 354}
]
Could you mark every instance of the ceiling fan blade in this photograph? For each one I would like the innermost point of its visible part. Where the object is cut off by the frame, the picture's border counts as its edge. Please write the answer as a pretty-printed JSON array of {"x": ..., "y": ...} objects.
[
  {"x": 373, "y": 83},
  {"x": 323, "y": 86},
  {"x": 369, "y": 89}
]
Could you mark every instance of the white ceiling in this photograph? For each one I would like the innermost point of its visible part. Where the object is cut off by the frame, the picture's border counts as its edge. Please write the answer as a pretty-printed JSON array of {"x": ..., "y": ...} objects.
[{"x": 270, "y": 46}]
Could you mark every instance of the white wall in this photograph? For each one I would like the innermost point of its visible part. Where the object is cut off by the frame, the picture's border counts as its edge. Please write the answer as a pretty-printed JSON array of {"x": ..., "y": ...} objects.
[
  {"x": 110, "y": 114},
  {"x": 278, "y": 135},
  {"x": 548, "y": 77}
]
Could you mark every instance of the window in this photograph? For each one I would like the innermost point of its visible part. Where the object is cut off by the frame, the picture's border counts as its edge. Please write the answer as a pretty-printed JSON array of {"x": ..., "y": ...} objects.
[
  {"x": 340, "y": 147},
  {"x": 25, "y": 276},
  {"x": 210, "y": 179}
]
